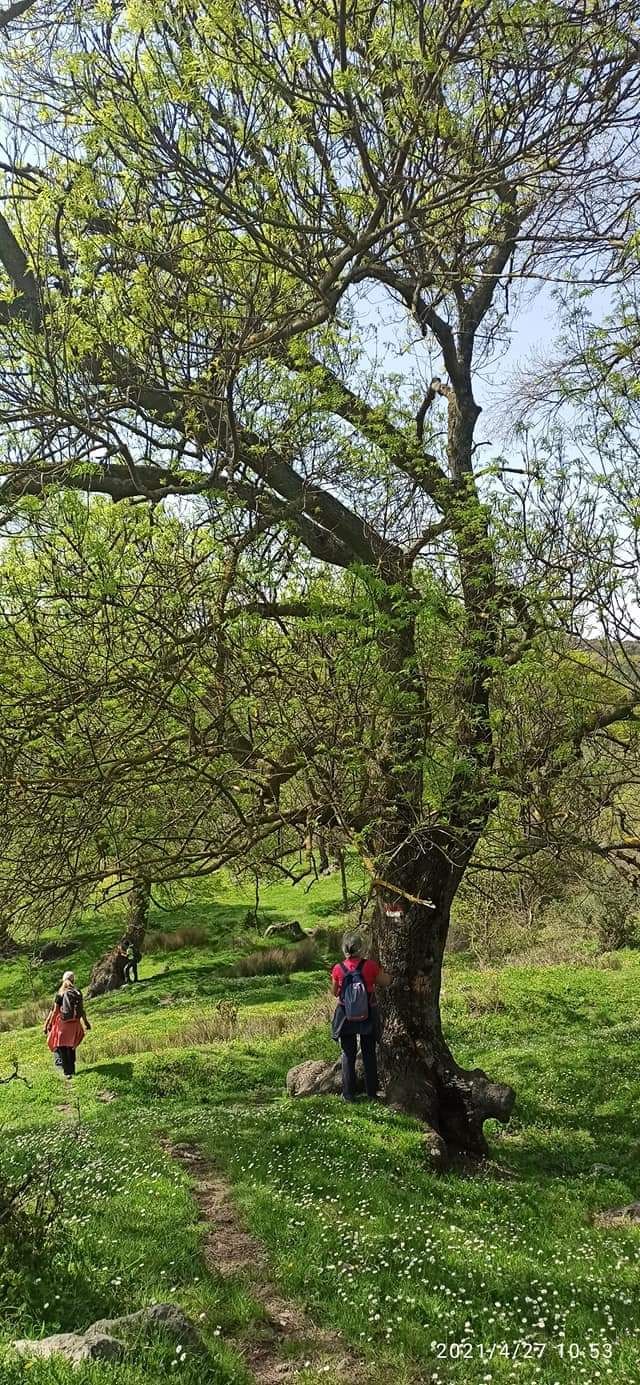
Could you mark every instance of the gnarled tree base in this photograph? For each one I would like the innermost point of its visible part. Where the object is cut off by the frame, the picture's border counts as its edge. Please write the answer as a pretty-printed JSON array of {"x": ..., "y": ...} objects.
[
  {"x": 107, "y": 974},
  {"x": 453, "y": 1103}
]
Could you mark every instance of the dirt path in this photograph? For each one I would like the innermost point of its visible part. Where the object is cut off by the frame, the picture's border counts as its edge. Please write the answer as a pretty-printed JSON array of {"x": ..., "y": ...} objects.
[{"x": 289, "y": 1341}]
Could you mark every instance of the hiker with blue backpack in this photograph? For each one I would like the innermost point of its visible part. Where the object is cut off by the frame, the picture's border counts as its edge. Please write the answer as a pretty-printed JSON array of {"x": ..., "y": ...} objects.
[{"x": 357, "y": 1015}]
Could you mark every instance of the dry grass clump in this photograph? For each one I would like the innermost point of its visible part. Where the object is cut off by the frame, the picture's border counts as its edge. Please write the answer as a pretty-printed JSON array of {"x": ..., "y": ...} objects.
[
  {"x": 32, "y": 1013},
  {"x": 488, "y": 1001},
  {"x": 96, "y": 1046},
  {"x": 192, "y": 935},
  {"x": 279, "y": 961},
  {"x": 228, "y": 1023},
  {"x": 485, "y": 1005},
  {"x": 608, "y": 961}
]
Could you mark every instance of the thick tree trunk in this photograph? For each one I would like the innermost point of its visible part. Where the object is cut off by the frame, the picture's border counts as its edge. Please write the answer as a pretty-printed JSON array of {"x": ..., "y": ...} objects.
[
  {"x": 108, "y": 972},
  {"x": 324, "y": 864},
  {"x": 343, "y": 880},
  {"x": 139, "y": 900},
  {"x": 418, "y": 1071},
  {"x": 7, "y": 945}
]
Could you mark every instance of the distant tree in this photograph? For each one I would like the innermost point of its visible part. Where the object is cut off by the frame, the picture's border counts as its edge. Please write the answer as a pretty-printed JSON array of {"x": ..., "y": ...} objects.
[
  {"x": 98, "y": 642},
  {"x": 206, "y": 209}
]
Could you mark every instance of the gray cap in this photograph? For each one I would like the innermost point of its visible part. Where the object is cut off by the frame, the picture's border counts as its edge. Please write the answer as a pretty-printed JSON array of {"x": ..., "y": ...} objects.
[{"x": 353, "y": 945}]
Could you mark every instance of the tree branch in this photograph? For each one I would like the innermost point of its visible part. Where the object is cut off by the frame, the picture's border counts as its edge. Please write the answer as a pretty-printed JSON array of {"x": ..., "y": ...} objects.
[
  {"x": 15, "y": 1076},
  {"x": 24, "y": 282},
  {"x": 482, "y": 297},
  {"x": 14, "y": 12}
]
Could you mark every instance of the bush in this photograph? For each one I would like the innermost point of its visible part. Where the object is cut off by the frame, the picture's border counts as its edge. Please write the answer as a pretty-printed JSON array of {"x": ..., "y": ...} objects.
[{"x": 612, "y": 913}]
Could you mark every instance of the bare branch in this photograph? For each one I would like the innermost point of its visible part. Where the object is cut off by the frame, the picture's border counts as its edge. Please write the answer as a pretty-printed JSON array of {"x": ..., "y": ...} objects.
[
  {"x": 15, "y": 1076},
  {"x": 14, "y": 11}
]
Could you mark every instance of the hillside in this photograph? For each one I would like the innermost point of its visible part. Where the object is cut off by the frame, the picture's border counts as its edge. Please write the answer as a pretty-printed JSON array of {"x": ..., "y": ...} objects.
[{"x": 494, "y": 1276}]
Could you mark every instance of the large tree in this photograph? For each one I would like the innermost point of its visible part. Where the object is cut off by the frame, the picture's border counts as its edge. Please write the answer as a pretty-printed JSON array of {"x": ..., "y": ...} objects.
[{"x": 208, "y": 209}]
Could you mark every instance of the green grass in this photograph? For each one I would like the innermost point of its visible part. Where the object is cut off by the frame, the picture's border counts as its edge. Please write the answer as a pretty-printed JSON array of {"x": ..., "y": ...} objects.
[{"x": 416, "y": 1270}]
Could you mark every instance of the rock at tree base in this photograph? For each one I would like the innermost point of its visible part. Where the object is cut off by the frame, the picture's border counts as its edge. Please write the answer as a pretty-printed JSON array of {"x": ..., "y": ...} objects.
[
  {"x": 103, "y": 1340},
  {"x": 75, "y": 1347},
  {"x": 436, "y": 1155},
  {"x": 318, "y": 1078},
  {"x": 286, "y": 930}
]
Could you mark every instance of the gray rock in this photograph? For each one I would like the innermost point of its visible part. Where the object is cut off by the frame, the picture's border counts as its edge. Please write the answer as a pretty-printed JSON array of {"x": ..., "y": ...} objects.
[
  {"x": 434, "y": 1149},
  {"x": 102, "y": 1341},
  {"x": 318, "y": 1078},
  {"x": 618, "y": 1216},
  {"x": 75, "y": 1347},
  {"x": 55, "y": 951},
  {"x": 164, "y": 1316},
  {"x": 285, "y": 930}
]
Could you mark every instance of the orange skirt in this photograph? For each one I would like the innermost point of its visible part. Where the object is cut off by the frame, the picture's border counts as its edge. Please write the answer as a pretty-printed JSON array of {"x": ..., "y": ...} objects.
[{"x": 64, "y": 1034}]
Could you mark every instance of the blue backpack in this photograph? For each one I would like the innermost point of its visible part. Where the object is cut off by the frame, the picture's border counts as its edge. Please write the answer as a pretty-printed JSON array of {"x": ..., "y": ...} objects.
[{"x": 354, "y": 996}]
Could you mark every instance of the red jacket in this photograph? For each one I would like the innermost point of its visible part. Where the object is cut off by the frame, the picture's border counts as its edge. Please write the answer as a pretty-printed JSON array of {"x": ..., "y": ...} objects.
[{"x": 63, "y": 1033}]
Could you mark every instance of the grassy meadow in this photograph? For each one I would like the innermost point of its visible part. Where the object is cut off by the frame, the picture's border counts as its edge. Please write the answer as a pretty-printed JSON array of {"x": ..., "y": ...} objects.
[{"x": 496, "y": 1276}]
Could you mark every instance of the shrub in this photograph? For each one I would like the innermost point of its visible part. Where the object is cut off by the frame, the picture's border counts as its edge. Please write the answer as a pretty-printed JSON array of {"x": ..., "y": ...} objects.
[
  {"x": 611, "y": 912},
  {"x": 458, "y": 939}
]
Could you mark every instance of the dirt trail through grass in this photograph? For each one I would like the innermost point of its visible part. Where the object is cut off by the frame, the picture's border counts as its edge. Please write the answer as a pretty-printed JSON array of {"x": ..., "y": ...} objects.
[{"x": 288, "y": 1343}]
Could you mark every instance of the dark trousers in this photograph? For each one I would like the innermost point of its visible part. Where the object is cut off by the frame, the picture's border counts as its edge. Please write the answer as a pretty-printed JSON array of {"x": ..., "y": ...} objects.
[
  {"x": 67, "y": 1058},
  {"x": 349, "y": 1045}
]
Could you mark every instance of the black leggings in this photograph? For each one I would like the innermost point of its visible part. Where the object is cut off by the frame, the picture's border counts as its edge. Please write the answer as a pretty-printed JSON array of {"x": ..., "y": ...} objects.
[
  {"x": 349, "y": 1043},
  {"x": 67, "y": 1057}
]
